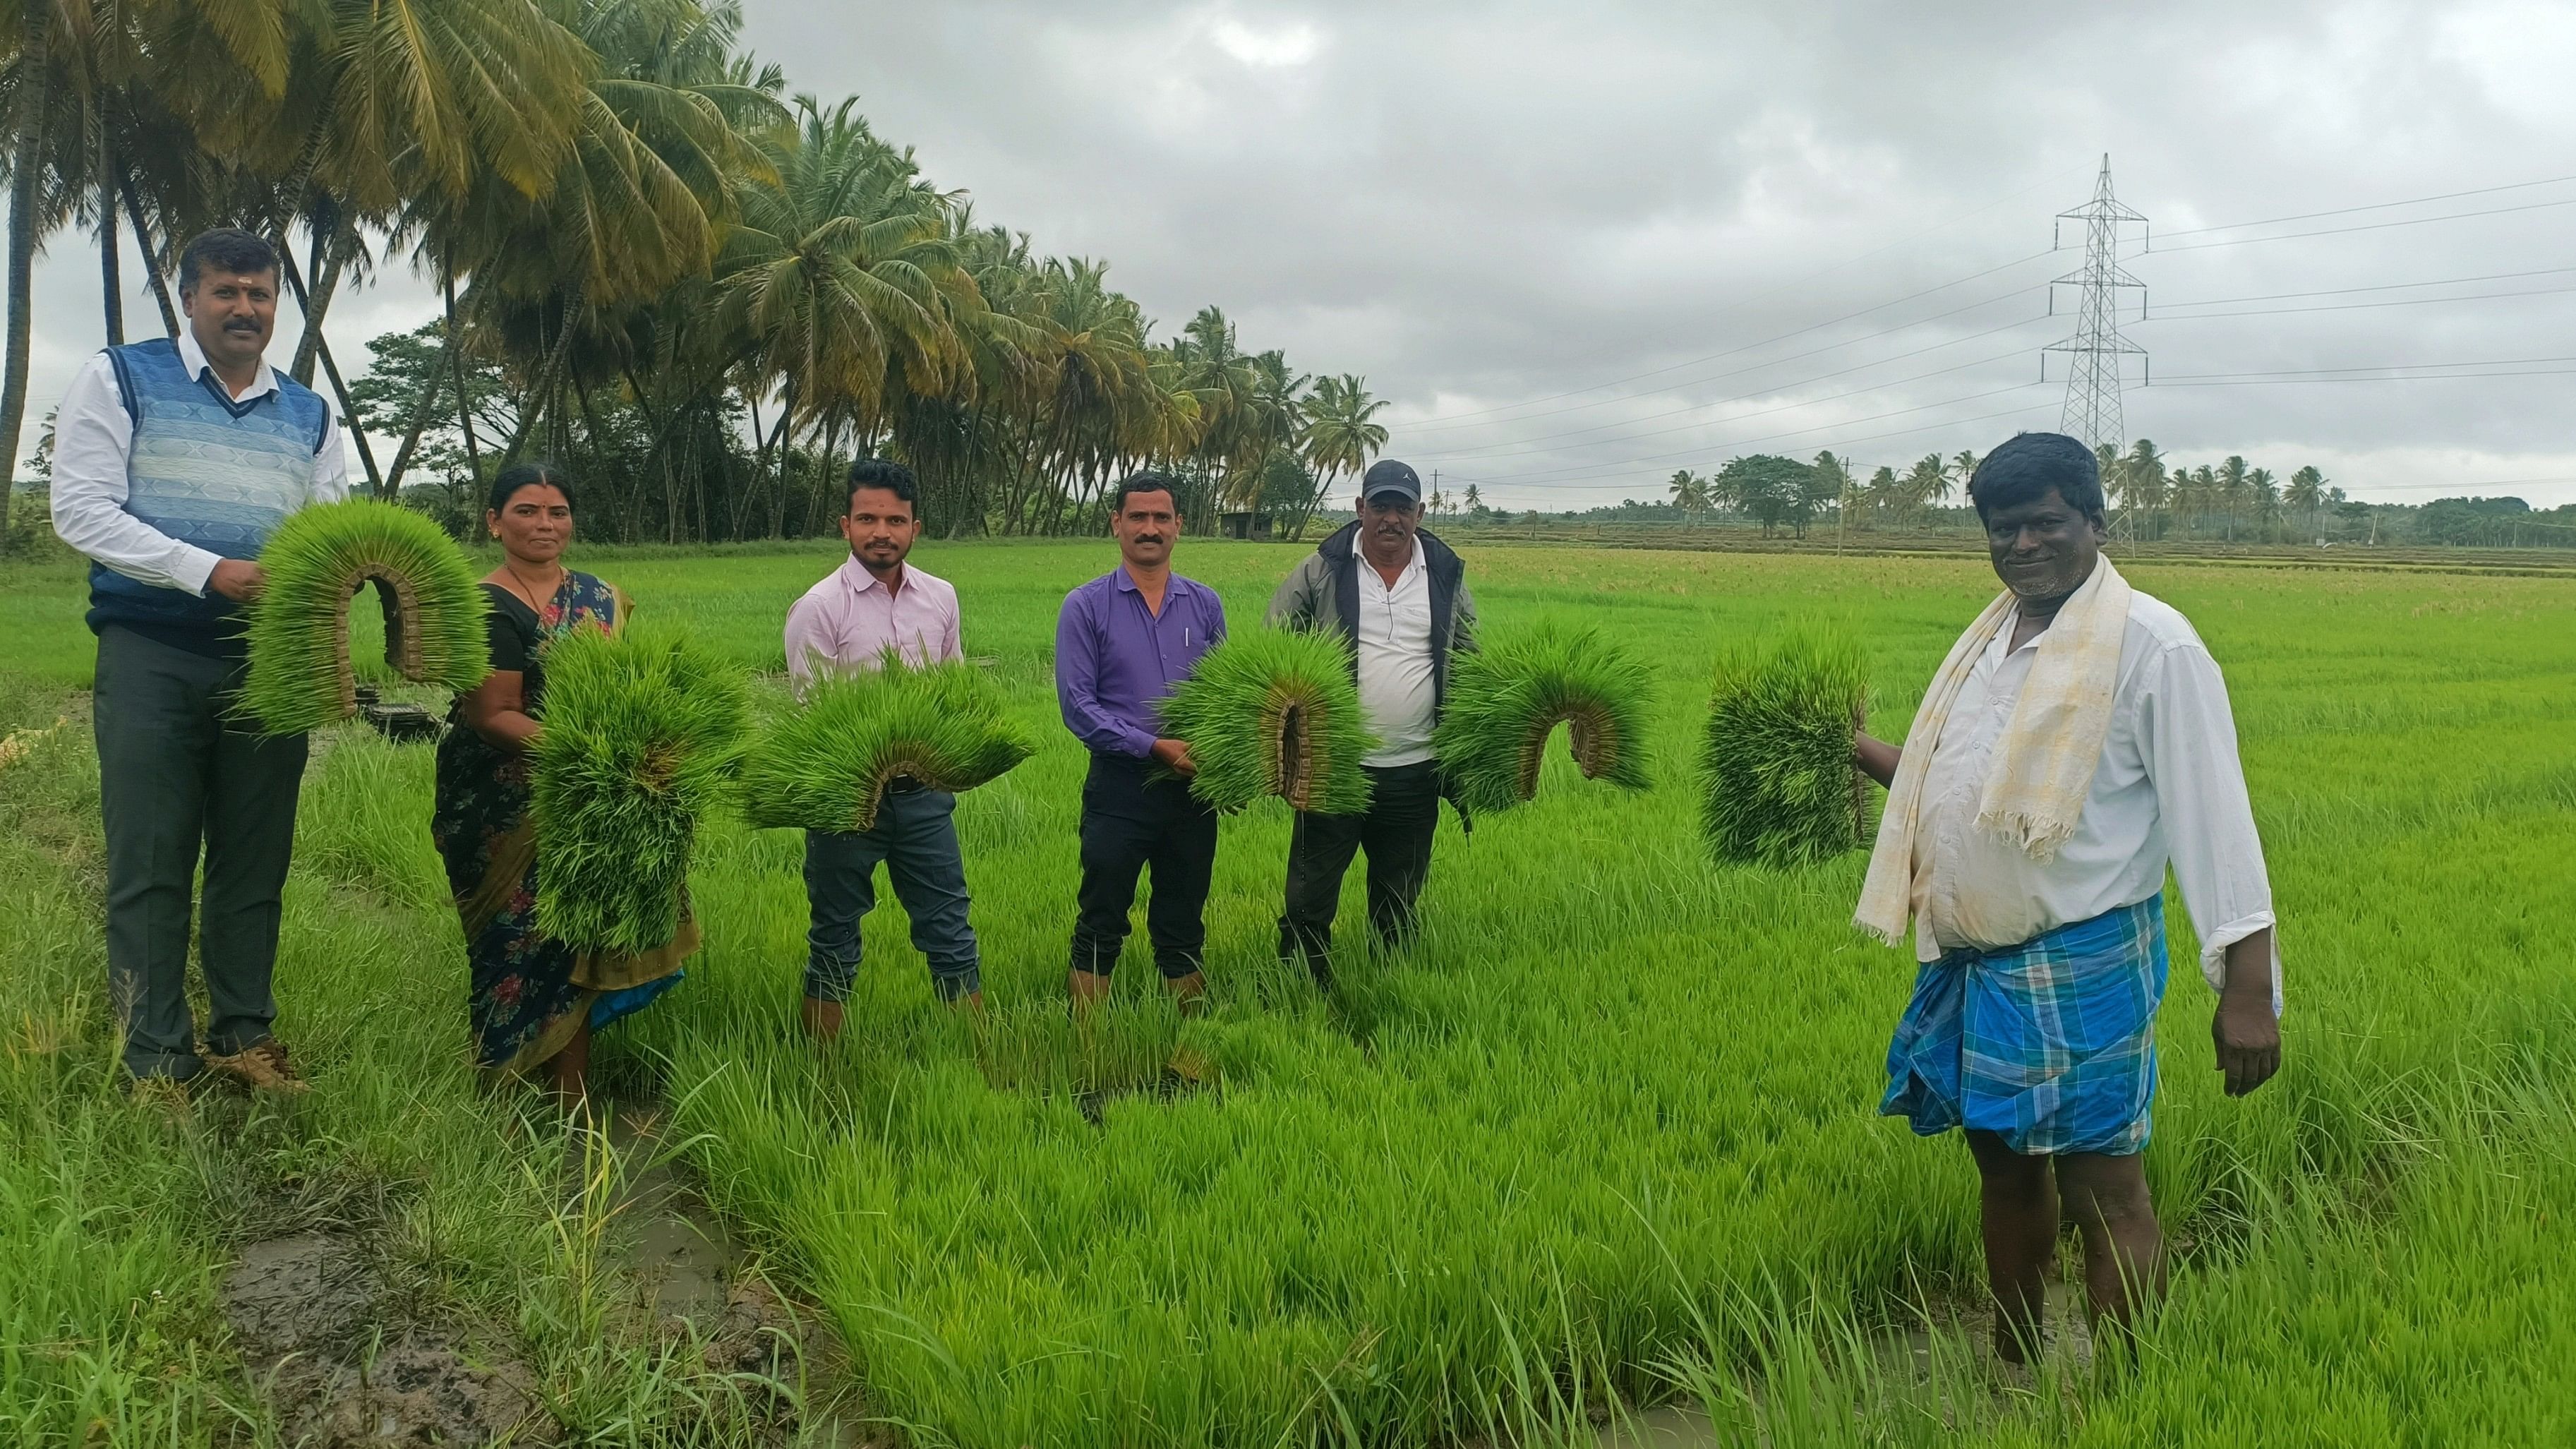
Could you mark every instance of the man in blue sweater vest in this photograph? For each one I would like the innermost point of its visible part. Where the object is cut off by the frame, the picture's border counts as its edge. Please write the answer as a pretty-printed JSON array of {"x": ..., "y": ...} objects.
[{"x": 173, "y": 461}]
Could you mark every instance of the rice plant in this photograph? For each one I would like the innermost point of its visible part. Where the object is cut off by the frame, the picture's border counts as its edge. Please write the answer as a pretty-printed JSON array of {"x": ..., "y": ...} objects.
[
  {"x": 1505, "y": 700},
  {"x": 1274, "y": 712},
  {"x": 301, "y": 677},
  {"x": 643, "y": 734},
  {"x": 825, "y": 766},
  {"x": 1777, "y": 784}
]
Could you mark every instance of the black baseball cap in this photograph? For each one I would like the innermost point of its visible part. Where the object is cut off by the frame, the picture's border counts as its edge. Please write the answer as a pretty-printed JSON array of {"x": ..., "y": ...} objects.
[{"x": 1389, "y": 476}]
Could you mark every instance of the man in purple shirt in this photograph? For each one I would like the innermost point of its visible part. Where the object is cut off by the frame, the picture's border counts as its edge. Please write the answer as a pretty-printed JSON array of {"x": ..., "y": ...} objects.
[
  {"x": 875, "y": 602},
  {"x": 1123, "y": 640}
]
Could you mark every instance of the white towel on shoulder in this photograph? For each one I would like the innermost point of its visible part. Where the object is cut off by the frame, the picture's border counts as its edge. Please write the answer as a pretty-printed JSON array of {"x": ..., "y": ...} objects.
[{"x": 2044, "y": 767}]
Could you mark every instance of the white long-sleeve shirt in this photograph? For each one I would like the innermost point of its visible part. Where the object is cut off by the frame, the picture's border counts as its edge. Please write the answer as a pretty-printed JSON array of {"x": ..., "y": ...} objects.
[
  {"x": 93, "y": 437},
  {"x": 1398, "y": 692},
  {"x": 2169, "y": 788}
]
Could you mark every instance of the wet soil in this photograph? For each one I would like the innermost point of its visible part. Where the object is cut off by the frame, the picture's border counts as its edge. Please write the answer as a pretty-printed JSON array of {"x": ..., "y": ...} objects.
[
  {"x": 304, "y": 1313},
  {"x": 345, "y": 1366}
]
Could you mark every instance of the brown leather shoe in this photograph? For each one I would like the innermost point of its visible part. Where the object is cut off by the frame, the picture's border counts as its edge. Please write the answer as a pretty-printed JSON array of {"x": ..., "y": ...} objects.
[
  {"x": 261, "y": 1066},
  {"x": 821, "y": 1019}
]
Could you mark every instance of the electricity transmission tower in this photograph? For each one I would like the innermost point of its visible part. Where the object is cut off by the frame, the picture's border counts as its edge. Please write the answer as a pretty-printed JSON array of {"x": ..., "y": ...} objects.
[{"x": 2093, "y": 388}]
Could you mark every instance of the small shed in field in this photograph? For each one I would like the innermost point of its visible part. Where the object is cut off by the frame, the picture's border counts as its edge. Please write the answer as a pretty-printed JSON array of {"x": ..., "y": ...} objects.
[{"x": 1252, "y": 527}]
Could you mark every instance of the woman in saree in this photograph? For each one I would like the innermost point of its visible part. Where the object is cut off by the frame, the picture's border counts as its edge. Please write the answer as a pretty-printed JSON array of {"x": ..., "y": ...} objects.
[{"x": 534, "y": 1002}]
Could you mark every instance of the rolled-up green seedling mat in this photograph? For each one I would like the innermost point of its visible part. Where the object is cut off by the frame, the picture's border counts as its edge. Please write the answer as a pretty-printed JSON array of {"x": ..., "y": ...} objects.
[
  {"x": 1274, "y": 712},
  {"x": 825, "y": 765},
  {"x": 301, "y": 677},
  {"x": 1778, "y": 785},
  {"x": 642, "y": 736},
  {"x": 1506, "y": 698}
]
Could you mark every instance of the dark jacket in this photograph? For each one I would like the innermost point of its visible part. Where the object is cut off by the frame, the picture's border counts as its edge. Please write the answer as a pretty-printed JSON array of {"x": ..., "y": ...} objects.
[{"x": 1323, "y": 592}]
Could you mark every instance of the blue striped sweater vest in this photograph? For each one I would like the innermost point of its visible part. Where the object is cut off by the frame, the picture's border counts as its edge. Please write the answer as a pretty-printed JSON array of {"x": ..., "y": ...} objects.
[{"x": 208, "y": 471}]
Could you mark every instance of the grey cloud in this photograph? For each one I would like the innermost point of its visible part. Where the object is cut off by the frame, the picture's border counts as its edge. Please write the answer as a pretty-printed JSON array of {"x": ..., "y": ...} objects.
[
  {"x": 1494, "y": 211},
  {"x": 1476, "y": 206}
]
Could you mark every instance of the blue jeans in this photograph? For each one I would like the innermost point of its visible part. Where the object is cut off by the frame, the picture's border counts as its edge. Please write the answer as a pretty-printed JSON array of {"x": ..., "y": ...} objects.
[{"x": 916, "y": 837}]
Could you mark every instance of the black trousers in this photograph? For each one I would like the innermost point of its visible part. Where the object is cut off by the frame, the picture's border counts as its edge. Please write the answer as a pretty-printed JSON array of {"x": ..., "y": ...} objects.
[
  {"x": 1396, "y": 830},
  {"x": 1131, "y": 821},
  {"x": 176, "y": 776}
]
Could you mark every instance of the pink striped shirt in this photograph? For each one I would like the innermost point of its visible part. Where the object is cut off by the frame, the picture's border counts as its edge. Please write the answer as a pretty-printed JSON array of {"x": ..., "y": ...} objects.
[{"x": 850, "y": 619}]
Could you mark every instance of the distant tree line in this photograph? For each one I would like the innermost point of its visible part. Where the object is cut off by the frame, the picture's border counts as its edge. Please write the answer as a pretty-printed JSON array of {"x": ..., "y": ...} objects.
[{"x": 2150, "y": 498}]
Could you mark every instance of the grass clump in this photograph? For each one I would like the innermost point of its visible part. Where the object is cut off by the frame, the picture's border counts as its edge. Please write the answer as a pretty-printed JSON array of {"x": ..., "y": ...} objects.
[
  {"x": 643, "y": 734},
  {"x": 1274, "y": 712},
  {"x": 1777, "y": 782},
  {"x": 1505, "y": 699},
  {"x": 825, "y": 766},
  {"x": 301, "y": 677}
]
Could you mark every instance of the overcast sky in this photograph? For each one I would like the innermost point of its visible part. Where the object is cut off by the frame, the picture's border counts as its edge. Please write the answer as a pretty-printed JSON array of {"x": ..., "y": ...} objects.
[{"x": 1578, "y": 247}]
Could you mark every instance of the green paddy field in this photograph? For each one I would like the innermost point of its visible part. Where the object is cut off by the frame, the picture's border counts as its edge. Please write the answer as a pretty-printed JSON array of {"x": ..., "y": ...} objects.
[{"x": 1605, "y": 1139}]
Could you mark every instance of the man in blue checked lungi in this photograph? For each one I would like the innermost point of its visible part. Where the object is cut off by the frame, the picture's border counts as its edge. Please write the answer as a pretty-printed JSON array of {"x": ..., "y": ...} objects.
[{"x": 2075, "y": 743}]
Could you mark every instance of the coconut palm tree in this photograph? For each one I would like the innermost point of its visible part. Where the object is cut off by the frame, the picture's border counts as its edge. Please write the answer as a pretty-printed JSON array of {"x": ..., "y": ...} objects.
[
  {"x": 1688, "y": 491},
  {"x": 840, "y": 276},
  {"x": 2265, "y": 492},
  {"x": 2141, "y": 488},
  {"x": 1926, "y": 486},
  {"x": 1337, "y": 434},
  {"x": 1963, "y": 468},
  {"x": 2307, "y": 494}
]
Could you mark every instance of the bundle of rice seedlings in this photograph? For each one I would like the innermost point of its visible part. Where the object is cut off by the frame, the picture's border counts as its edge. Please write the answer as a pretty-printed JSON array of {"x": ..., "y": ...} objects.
[
  {"x": 1274, "y": 712},
  {"x": 300, "y": 674},
  {"x": 825, "y": 765},
  {"x": 642, "y": 735},
  {"x": 1778, "y": 786},
  {"x": 1505, "y": 700}
]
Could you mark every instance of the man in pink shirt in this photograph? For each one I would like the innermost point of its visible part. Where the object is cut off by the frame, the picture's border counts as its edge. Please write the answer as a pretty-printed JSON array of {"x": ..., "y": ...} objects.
[{"x": 872, "y": 603}]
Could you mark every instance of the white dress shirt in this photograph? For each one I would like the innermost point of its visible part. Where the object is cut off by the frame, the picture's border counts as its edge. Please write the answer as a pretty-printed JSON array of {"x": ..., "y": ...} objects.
[
  {"x": 1397, "y": 690},
  {"x": 2169, "y": 788},
  {"x": 93, "y": 434},
  {"x": 850, "y": 619}
]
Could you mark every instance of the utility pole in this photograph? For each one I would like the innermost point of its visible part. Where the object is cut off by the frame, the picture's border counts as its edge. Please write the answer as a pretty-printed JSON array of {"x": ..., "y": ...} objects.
[{"x": 2093, "y": 389}]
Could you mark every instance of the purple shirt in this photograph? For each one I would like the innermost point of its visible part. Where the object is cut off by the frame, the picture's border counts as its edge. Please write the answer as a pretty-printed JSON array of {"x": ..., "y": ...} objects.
[{"x": 1115, "y": 659}]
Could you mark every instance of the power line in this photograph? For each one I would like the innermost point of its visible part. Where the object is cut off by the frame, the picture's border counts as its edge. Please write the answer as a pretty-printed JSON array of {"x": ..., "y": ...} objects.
[
  {"x": 1518, "y": 445},
  {"x": 2381, "y": 287},
  {"x": 2444, "y": 377},
  {"x": 2372, "y": 226},
  {"x": 2162, "y": 316},
  {"x": 1830, "y": 444},
  {"x": 1944, "y": 225},
  {"x": 2379, "y": 367},
  {"x": 1454, "y": 420},
  {"x": 2374, "y": 206},
  {"x": 1735, "y": 443}
]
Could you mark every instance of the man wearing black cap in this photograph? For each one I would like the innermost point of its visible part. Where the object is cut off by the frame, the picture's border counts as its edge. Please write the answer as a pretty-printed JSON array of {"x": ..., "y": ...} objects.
[{"x": 1400, "y": 596}]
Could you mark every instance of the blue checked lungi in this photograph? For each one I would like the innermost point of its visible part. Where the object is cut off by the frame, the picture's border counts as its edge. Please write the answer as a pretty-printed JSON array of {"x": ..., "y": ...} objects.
[{"x": 2050, "y": 1044}]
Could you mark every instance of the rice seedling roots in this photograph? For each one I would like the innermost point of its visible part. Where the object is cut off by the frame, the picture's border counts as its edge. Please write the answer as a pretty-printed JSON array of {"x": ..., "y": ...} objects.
[
  {"x": 1506, "y": 700},
  {"x": 828, "y": 764},
  {"x": 1273, "y": 712},
  {"x": 301, "y": 672}
]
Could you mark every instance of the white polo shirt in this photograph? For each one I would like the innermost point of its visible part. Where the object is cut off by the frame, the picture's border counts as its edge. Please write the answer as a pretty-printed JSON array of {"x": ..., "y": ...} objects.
[{"x": 1397, "y": 691}]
